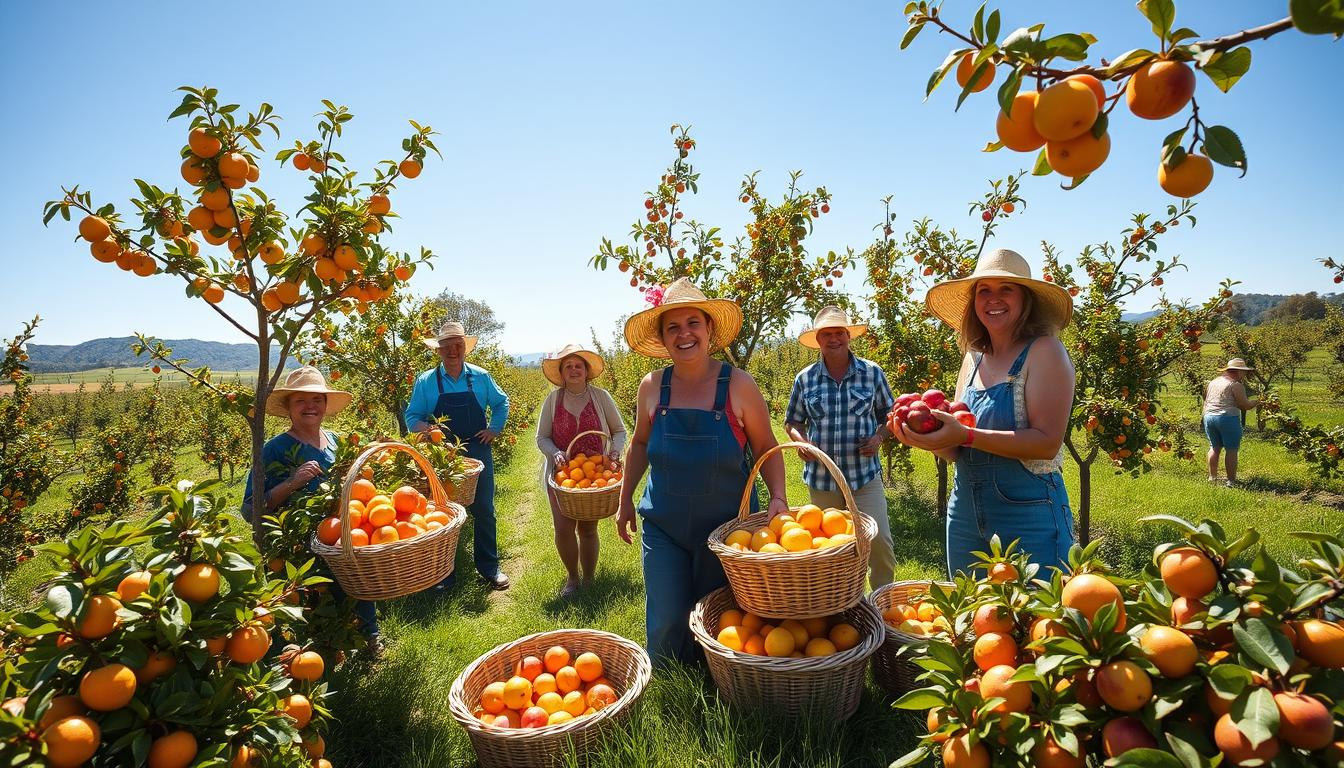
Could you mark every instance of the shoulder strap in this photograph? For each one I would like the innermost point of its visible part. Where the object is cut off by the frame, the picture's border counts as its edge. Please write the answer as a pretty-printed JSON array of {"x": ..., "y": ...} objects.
[
  {"x": 1021, "y": 359},
  {"x": 975, "y": 368},
  {"x": 721, "y": 392},
  {"x": 665, "y": 388},
  {"x": 600, "y": 408}
]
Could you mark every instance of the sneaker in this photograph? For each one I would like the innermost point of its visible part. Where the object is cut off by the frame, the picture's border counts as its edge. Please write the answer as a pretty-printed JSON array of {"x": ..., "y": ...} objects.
[
  {"x": 374, "y": 647},
  {"x": 1231, "y": 483},
  {"x": 498, "y": 582}
]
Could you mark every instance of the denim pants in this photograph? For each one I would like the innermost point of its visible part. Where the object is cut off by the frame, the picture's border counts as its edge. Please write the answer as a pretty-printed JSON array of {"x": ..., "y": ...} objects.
[{"x": 994, "y": 495}]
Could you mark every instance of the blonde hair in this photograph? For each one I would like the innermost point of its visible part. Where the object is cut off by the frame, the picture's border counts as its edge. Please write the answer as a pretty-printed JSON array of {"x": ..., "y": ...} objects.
[{"x": 973, "y": 336}]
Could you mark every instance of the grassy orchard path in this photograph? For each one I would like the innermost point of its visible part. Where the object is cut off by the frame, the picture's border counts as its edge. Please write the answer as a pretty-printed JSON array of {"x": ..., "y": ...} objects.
[{"x": 396, "y": 713}]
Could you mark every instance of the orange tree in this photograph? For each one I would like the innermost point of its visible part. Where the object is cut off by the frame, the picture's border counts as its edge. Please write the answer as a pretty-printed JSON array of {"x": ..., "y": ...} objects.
[
  {"x": 279, "y": 278},
  {"x": 768, "y": 273},
  {"x": 1067, "y": 114},
  {"x": 160, "y": 643},
  {"x": 916, "y": 350},
  {"x": 1119, "y": 365},
  {"x": 222, "y": 439},
  {"x": 29, "y": 460}
]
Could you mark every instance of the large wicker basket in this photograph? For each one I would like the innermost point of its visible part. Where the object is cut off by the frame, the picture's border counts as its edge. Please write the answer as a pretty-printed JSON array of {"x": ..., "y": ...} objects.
[
  {"x": 464, "y": 491},
  {"x": 829, "y": 687},
  {"x": 894, "y": 668},
  {"x": 624, "y": 663},
  {"x": 586, "y": 503},
  {"x": 398, "y": 568},
  {"x": 797, "y": 585}
]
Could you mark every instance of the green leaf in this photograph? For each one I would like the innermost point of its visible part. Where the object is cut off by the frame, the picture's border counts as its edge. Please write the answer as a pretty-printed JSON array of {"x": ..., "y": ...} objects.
[
  {"x": 1224, "y": 147},
  {"x": 1317, "y": 17},
  {"x": 941, "y": 72},
  {"x": 1185, "y": 752},
  {"x": 978, "y": 24},
  {"x": 1264, "y": 644},
  {"x": 1008, "y": 91},
  {"x": 1099, "y": 126},
  {"x": 1227, "y": 69},
  {"x": 992, "y": 28},
  {"x": 1129, "y": 59},
  {"x": 993, "y": 146},
  {"x": 1067, "y": 46},
  {"x": 910, "y": 35},
  {"x": 913, "y": 757},
  {"x": 1174, "y": 520},
  {"x": 1042, "y": 166},
  {"x": 1184, "y": 33},
  {"x": 920, "y": 698},
  {"x": 63, "y": 599},
  {"x": 1147, "y": 758},
  {"x": 1309, "y": 594},
  {"x": 1161, "y": 14},
  {"x": 1256, "y": 716}
]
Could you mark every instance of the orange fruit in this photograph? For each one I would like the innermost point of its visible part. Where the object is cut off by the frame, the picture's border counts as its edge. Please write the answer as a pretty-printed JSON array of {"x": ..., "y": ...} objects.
[
  {"x": 105, "y": 251},
  {"x": 233, "y": 164},
  {"x": 796, "y": 539},
  {"x": 517, "y": 693},
  {"x": 1236, "y": 747},
  {"x": 544, "y": 683},
  {"x": 833, "y": 522},
  {"x": 755, "y": 645},
  {"x": 197, "y": 582},
  {"x": 1170, "y": 650},
  {"x": 298, "y": 708},
  {"x": 346, "y": 257},
  {"x": 1065, "y": 110},
  {"x": 379, "y": 515},
  {"x": 1093, "y": 83},
  {"x": 193, "y": 172},
  {"x": 995, "y": 682},
  {"x": 575, "y": 702},
  {"x": 529, "y": 668},
  {"x": 958, "y": 753},
  {"x": 215, "y": 645},
  {"x": 313, "y": 244},
  {"x": 1160, "y": 89},
  {"x": 992, "y": 618},
  {"x": 555, "y": 658},
  {"x": 844, "y": 636},
  {"x": 203, "y": 144},
  {"x": 732, "y": 637},
  {"x": 406, "y": 499},
  {"x": 589, "y": 666},
  {"x": 307, "y": 666},
  {"x": 271, "y": 253},
  {"x": 1321, "y": 643},
  {"x": 329, "y": 531},
  {"x": 157, "y": 665},
  {"x": 133, "y": 585},
  {"x": 406, "y": 529},
  {"x": 314, "y": 746},
  {"x": 248, "y": 644},
  {"x": 71, "y": 741},
  {"x": 379, "y": 205},
  {"x": 819, "y": 646},
  {"x": 1002, "y": 573},
  {"x": 60, "y": 708},
  {"x": 601, "y": 695},
  {"x": 1088, "y": 592},
  {"x": 409, "y": 168},
  {"x": 1304, "y": 722},
  {"x": 216, "y": 199},
  {"x": 1124, "y": 686},
  {"x": 287, "y": 292},
  {"x": 492, "y": 698},
  {"x": 363, "y": 491},
  {"x": 359, "y": 537},
  {"x": 107, "y": 688},
  {"x": 994, "y": 649},
  {"x": 301, "y": 161},
  {"x": 326, "y": 270},
  {"x": 761, "y": 538},
  {"x": 779, "y": 642},
  {"x": 1187, "y": 179},
  {"x": 966, "y": 67},
  {"x": 1188, "y": 572},
  {"x": 174, "y": 750},
  {"x": 94, "y": 228},
  {"x": 100, "y": 617},
  {"x": 1078, "y": 156},
  {"x": 567, "y": 679},
  {"x": 384, "y": 535}
]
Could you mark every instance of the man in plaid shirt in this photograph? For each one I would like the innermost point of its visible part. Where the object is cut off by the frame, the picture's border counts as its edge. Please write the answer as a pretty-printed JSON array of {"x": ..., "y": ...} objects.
[{"x": 839, "y": 404}]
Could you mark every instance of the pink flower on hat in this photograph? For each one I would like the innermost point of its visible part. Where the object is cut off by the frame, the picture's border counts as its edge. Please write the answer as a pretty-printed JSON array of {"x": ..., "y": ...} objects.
[{"x": 654, "y": 296}]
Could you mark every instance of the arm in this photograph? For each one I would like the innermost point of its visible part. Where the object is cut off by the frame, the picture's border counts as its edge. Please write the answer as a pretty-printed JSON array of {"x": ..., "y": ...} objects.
[
  {"x": 883, "y": 400},
  {"x": 420, "y": 407},
  {"x": 545, "y": 444},
  {"x": 1239, "y": 394},
  {"x": 755, "y": 416},
  {"x": 795, "y": 417},
  {"x": 614, "y": 423},
  {"x": 636, "y": 460},
  {"x": 498, "y": 402}
]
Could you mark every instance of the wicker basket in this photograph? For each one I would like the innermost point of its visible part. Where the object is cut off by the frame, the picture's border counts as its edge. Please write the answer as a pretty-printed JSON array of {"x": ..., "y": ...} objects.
[
  {"x": 586, "y": 503},
  {"x": 464, "y": 491},
  {"x": 797, "y": 585},
  {"x": 825, "y": 686},
  {"x": 895, "y": 671},
  {"x": 398, "y": 568},
  {"x": 623, "y": 662}
]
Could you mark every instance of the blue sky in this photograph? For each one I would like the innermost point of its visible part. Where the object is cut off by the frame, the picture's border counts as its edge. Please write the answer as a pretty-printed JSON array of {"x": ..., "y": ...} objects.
[{"x": 554, "y": 120}]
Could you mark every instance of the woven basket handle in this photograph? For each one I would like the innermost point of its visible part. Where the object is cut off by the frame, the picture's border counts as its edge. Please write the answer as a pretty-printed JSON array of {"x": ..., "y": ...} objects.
[
  {"x": 375, "y": 449},
  {"x": 836, "y": 474},
  {"x": 606, "y": 441}
]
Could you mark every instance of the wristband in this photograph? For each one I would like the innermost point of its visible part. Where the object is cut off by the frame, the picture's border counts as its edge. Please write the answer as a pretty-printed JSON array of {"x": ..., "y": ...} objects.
[{"x": 970, "y": 437}]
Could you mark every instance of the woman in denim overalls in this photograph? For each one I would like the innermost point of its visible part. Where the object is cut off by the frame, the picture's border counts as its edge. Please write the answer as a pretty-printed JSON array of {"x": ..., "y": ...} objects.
[
  {"x": 694, "y": 422},
  {"x": 1017, "y": 379}
]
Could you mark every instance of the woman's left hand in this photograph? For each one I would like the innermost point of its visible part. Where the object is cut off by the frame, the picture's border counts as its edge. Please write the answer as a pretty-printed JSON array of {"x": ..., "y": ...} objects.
[
  {"x": 778, "y": 507},
  {"x": 952, "y": 434}
]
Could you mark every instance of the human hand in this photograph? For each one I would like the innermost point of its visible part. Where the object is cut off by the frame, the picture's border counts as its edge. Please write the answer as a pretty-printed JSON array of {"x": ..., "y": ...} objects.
[
  {"x": 560, "y": 459},
  {"x": 486, "y": 437},
  {"x": 778, "y": 506},
  {"x": 869, "y": 446},
  {"x": 951, "y": 435},
  {"x": 807, "y": 454},
  {"x": 305, "y": 473},
  {"x": 625, "y": 520}
]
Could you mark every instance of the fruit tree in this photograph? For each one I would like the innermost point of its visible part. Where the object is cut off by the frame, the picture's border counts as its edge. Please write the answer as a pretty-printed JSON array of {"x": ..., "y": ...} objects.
[
  {"x": 1067, "y": 114},
  {"x": 277, "y": 272}
]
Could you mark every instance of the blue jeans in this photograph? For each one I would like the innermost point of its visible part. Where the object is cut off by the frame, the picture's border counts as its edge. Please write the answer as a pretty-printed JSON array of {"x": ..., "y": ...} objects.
[
  {"x": 994, "y": 495},
  {"x": 1223, "y": 430},
  {"x": 674, "y": 579}
]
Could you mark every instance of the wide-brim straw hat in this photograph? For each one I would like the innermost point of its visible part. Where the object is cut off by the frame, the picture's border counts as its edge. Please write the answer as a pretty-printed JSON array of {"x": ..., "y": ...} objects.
[
  {"x": 948, "y": 300},
  {"x": 550, "y": 365},
  {"x": 305, "y": 379},
  {"x": 643, "y": 332},
  {"x": 1237, "y": 364},
  {"x": 830, "y": 316},
  {"x": 447, "y": 331}
]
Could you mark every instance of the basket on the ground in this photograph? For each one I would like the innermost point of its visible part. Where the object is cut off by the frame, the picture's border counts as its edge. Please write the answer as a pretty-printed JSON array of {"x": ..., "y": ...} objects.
[
  {"x": 397, "y": 568},
  {"x": 828, "y": 687},
  {"x": 586, "y": 503},
  {"x": 796, "y": 585},
  {"x": 894, "y": 670},
  {"x": 624, "y": 663},
  {"x": 464, "y": 491}
]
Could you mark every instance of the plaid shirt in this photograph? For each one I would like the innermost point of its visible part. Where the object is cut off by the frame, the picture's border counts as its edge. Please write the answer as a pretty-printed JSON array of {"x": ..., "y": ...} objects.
[{"x": 838, "y": 415}]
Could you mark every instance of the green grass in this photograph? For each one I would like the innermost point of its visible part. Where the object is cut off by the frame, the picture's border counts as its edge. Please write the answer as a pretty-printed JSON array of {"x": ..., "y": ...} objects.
[{"x": 94, "y": 377}]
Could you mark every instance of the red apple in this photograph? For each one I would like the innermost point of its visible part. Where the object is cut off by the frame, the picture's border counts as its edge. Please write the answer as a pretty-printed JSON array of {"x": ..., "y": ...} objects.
[
  {"x": 934, "y": 397},
  {"x": 906, "y": 399},
  {"x": 1123, "y": 734},
  {"x": 535, "y": 717}
]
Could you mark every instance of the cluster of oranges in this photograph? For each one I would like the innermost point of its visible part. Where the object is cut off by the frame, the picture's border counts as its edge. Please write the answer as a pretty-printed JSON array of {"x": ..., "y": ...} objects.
[
  {"x": 379, "y": 518},
  {"x": 556, "y": 688},
  {"x": 790, "y": 638},
  {"x": 584, "y": 471},
  {"x": 809, "y": 527},
  {"x": 920, "y": 617}
]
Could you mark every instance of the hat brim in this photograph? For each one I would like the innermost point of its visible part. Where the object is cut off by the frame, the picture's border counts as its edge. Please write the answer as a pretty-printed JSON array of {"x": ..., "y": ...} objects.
[
  {"x": 1237, "y": 368},
  {"x": 948, "y": 300},
  {"x": 435, "y": 343},
  {"x": 550, "y": 367},
  {"x": 277, "y": 403},
  {"x": 809, "y": 337},
  {"x": 642, "y": 331}
]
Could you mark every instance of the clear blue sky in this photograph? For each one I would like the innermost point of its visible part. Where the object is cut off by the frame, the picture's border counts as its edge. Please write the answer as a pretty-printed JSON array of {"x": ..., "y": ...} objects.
[{"x": 554, "y": 121}]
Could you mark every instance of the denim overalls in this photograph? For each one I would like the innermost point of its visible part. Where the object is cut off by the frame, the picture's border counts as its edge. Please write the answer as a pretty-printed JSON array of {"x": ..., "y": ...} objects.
[
  {"x": 465, "y": 419},
  {"x": 697, "y": 472},
  {"x": 997, "y": 495}
]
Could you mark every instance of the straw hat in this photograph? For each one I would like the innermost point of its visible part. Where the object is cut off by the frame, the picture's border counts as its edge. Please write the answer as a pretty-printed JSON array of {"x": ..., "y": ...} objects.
[
  {"x": 830, "y": 316},
  {"x": 447, "y": 331},
  {"x": 642, "y": 330},
  {"x": 1237, "y": 364},
  {"x": 948, "y": 300},
  {"x": 305, "y": 379},
  {"x": 550, "y": 365}
]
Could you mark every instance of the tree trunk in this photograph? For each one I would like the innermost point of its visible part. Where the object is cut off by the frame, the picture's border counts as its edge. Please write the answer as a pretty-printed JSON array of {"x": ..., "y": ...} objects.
[
  {"x": 942, "y": 487},
  {"x": 1085, "y": 502},
  {"x": 401, "y": 418},
  {"x": 219, "y": 472},
  {"x": 257, "y": 422}
]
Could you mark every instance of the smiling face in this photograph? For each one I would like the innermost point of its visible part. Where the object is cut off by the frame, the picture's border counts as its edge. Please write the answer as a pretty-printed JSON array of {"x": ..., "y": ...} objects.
[
  {"x": 833, "y": 341},
  {"x": 307, "y": 409},
  {"x": 685, "y": 333},
  {"x": 574, "y": 371},
  {"x": 998, "y": 304},
  {"x": 452, "y": 350}
]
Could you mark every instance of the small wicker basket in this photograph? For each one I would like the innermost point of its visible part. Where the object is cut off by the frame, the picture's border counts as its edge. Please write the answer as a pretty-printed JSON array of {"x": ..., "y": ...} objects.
[
  {"x": 586, "y": 503},
  {"x": 894, "y": 670},
  {"x": 464, "y": 492},
  {"x": 797, "y": 585},
  {"x": 829, "y": 687},
  {"x": 624, "y": 663},
  {"x": 397, "y": 568}
]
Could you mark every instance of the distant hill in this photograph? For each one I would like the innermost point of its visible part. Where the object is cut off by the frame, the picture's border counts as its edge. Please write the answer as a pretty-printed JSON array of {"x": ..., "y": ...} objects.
[
  {"x": 1138, "y": 317},
  {"x": 1257, "y": 308},
  {"x": 529, "y": 360},
  {"x": 116, "y": 353}
]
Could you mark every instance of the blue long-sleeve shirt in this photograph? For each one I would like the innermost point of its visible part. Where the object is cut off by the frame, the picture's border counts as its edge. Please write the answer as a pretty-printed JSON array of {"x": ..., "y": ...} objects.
[{"x": 425, "y": 394}]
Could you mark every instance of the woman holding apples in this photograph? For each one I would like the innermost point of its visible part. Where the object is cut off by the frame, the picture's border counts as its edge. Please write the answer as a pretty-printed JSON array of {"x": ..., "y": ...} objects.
[{"x": 1017, "y": 382}]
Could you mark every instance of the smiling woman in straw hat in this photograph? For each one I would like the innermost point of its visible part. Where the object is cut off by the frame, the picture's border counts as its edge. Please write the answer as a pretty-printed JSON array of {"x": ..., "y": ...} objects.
[
  {"x": 575, "y": 406},
  {"x": 1224, "y": 401},
  {"x": 1018, "y": 381},
  {"x": 693, "y": 423}
]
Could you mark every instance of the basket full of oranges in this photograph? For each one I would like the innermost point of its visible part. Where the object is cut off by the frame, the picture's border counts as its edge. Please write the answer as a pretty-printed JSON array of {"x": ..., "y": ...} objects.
[
  {"x": 587, "y": 487},
  {"x": 385, "y": 545},
  {"x": 909, "y": 619}
]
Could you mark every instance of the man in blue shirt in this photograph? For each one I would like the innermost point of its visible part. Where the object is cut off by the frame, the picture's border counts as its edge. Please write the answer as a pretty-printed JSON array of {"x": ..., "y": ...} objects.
[
  {"x": 839, "y": 404},
  {"x": 454, "y": 397}
]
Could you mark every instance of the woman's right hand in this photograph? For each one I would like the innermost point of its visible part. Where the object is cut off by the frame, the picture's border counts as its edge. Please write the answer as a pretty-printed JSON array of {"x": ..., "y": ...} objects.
[
  {"x": 625, "y": 520},
  {"x": 305, "y": 473},
  {"x": 560, "y": 459}
]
